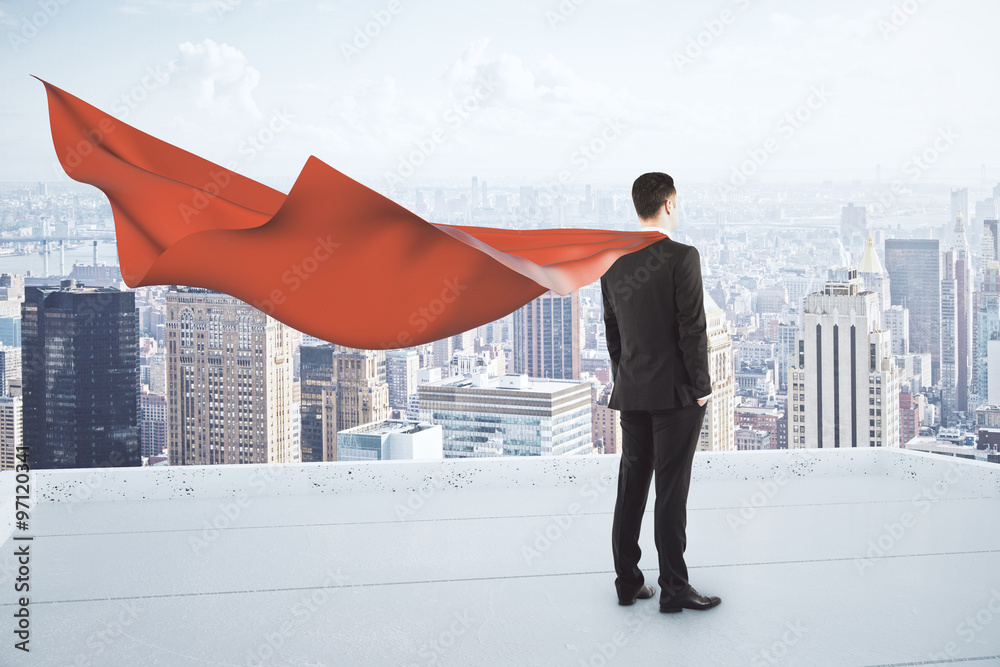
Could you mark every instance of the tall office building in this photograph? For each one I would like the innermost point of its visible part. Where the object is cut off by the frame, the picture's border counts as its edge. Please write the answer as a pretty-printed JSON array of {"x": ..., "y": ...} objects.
[
  {"x": 990, "y": 251},
  {"x": 914, "y": 267},
  {"x": 717, "y": 431},
  {"x": 987, "y": 328},
  {"x": 511, "y": 415},
  {"x": 319, "y": 402},
  {"x": 441, "y": 350},
  {"x": 401, "y": 374},
  {"x": 362, "y": 389},
  {"x": 607, "y": 423},
  {"x": 959, "y": 205},
  {"x": 229, "y": 381},
  {"x": 547, "y": 337},
  {"x": 11, "y": 425},
  {"x": 153, "y": 423},
  {"x": 80, "y": 377},
  {"x": 464, "y": 341},
  {"x": 874, "y": 277},
  {"x": 853, "y": 222},
  {"x": 963, "y": 311},
  {"x": 342, "y": 387},
  {"x": 843, "y": 392},
  {"x": 949, "y": 340},
  {"x": 10, "y": 370},
  {"x": 897, "y": 320}
]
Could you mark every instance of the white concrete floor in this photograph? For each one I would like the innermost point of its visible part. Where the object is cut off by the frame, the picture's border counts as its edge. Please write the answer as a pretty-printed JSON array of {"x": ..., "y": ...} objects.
[{"x": 468, "y": 576}]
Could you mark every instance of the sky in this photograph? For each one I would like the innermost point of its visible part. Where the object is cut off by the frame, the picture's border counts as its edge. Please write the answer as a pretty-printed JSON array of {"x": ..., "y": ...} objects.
[{"x": 404, "y": 92}]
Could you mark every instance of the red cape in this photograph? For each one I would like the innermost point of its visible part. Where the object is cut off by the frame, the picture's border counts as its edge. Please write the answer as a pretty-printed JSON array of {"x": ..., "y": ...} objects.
[{"x": 332, "y": 258}]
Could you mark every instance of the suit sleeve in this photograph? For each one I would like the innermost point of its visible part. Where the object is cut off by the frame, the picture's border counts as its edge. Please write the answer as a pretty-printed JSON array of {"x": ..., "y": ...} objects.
[
  {"x": 611, "y": 330},
  {"x": 692, "y": 326}
]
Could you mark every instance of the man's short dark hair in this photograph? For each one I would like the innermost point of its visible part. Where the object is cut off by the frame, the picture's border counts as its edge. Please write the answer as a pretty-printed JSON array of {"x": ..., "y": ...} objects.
[{"x": 650, "y": 191}]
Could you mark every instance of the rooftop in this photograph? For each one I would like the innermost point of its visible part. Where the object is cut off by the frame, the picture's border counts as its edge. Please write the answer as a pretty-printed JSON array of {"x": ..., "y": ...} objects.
[{"x": 821, "y": 557}]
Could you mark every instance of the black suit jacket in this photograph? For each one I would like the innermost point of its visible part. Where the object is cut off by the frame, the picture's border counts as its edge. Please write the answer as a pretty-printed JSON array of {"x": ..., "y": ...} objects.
[{"x": 654, "y": 315}]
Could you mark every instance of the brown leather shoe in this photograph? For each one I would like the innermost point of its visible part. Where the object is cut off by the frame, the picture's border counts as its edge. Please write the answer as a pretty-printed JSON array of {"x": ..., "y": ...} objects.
[
  {"x": 644, "y": 593},
  {"x": 690, "y": 599}
]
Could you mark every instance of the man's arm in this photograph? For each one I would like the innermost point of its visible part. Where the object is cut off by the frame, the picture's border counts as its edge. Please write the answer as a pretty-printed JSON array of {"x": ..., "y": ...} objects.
[
  {"x": 611, "y": 330},
  {"x": 693, "y": 328}
]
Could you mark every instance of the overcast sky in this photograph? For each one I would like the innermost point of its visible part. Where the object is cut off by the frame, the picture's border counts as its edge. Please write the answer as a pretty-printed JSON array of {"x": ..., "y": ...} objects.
[{"x": 688, "y": 88}]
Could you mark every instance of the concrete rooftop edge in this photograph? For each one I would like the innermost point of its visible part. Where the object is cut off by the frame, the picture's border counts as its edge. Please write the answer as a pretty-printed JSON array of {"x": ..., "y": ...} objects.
[{"x": 166, "y": 482}]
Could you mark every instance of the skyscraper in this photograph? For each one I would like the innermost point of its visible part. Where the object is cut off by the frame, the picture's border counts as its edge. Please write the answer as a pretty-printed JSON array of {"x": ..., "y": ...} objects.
[
  {"x": 986, "y": 329},
  {"x": 853, "y": 222},
  {"x": 914, "y": 267},
  {"x": 342, "y": 387},
  {"x": 229, "y": 381},
  {"x": 319, "y": 384},
  {"x": 547, "y": 337},
  {"x": 875, "y": 278},
  {"x": 401, "y": 374},
  {"x": 717, "y": 431},
  {"x": 843, "y": 391},
  {"x": 963, "y": 308},
  {"x": 11, "y": 429},
  {"x": 10, "y": 370},
  {"x": 80, "y": 377},
  {"x": 949, "y": 340}
]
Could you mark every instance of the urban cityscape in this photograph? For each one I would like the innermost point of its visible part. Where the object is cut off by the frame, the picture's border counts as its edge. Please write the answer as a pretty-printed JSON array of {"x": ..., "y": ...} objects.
[{"x": 840, "y": 314}]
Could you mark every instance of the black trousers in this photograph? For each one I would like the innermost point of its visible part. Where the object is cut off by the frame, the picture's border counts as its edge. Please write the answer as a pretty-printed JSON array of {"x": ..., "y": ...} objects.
[{"x": 663, "y": 441}]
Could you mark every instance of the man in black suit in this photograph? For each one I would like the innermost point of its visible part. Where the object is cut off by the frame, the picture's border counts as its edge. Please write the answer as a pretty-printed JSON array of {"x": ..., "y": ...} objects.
[{"x": 654, "y": 314}]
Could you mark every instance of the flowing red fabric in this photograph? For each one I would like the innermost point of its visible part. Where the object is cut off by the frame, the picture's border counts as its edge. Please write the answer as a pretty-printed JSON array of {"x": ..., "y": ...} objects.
[{"x": 332, "y": 258}]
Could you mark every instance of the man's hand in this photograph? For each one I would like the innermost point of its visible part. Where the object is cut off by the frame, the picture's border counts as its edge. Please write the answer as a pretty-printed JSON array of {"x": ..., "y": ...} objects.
[{"x": 702, "y": 401}]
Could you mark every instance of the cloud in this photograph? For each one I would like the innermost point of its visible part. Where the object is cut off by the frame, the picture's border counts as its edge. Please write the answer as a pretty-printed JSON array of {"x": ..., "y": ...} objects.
[{"x": 217, "y": 78}]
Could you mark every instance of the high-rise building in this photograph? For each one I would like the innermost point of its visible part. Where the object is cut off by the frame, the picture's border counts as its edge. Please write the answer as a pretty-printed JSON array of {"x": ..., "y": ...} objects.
[
  {"x": 80, "y": 377},
  {"x": 959, "y": 205},
  {"x": 547, "y": 337},
  {"x": 949, "y": 340},
  {"x": 511, "y": 415},
  {"x": 319, "y": 402},
  {"x": 844, "y": 390},
  {"x": 607, "y": 423},
  {"x": 464, "y": 341},
  {"x": 11, "y": 425},
  {"x": 401, "y": 374},
  {"x": 853, "y": 222},
  {"x": 914, "y": 267},
  {"x": 10, "y": 326},
  {"x": 990, "y": 251},
  {"x": 717, "y": 429},
  {"x": 229, "y": 381},
  {"x": 874, "y": 277},
  {"x": 10, "y": 370},
  {"x": 362, "y": 388},
  {"x": 963, "y": 310},
  {"x": 897, "y": 320},
  {"x": 441, "y": 351},
  {"x": 153, "y": 423},
  {"x": 986, "y": 328},
  {"x": 342, "y": 387}
]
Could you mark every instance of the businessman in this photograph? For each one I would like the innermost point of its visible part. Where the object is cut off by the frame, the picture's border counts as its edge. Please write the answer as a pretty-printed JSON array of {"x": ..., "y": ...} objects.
[{"x": 654, "y": 315}]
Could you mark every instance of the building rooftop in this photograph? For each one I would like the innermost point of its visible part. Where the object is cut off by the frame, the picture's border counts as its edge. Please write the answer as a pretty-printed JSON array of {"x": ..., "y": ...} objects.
[
  {"x": 821, "y": 557},
  {"x": 390, "y": 426},
  {"x": 519, "y": 381}
]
